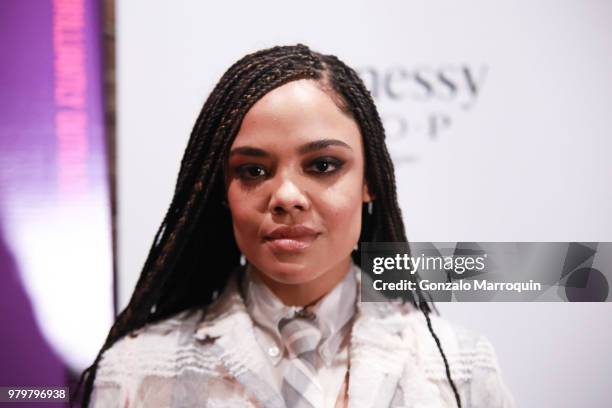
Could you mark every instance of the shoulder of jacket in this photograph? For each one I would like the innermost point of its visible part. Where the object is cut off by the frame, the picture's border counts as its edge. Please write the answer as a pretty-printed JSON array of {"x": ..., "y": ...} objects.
[
  {"x": 465, "y": 350},
  {"x": 471, "y": 359},
  {"x": 164, "y": 349}
]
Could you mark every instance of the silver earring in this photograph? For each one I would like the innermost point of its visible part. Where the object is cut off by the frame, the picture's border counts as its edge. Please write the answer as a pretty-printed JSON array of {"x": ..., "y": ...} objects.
[
  {"x": 242, "y": 260},
  {"x": 370, "y": 207},
  {"x": 356, "y": 247}
]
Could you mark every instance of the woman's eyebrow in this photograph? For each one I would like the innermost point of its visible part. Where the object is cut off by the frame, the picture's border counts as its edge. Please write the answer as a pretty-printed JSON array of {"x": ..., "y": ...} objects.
[
  {"x": 305, "y": 148},
  {"x": 321, "y": 144},
  {"x": 249, "y": 151}
]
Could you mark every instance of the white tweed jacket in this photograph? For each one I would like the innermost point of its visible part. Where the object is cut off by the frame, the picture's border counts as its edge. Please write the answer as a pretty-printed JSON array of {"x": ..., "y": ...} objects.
[{"x": 210, "y": 358}]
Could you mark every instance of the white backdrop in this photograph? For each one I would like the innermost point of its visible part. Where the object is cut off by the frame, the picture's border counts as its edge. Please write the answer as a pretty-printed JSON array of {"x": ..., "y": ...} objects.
[{"x": 498, "y": 117}]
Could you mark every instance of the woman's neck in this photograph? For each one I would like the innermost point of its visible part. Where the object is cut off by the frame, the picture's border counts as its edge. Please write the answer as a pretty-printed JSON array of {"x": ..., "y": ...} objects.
[{"x": 306, "y": 293}]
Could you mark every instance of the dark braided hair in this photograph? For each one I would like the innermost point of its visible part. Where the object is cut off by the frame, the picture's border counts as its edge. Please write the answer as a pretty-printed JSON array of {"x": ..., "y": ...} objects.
[{"x": 194, "y": 249}]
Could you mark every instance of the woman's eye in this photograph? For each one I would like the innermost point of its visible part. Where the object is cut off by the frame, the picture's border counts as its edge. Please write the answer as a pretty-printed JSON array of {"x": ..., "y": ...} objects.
[
  {"x": 325, "y": 165},
  {"x": 251, "y": 172}
]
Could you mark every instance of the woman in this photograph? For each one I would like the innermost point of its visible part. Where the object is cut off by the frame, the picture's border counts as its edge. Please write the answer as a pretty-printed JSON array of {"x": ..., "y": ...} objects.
[{"x": 249, "y": 295}]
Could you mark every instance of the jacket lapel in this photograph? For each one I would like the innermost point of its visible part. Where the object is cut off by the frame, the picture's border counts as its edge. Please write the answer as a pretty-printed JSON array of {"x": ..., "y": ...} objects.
[
  {"x": 228, "y": 332},
  {"x": 377, "y": 355},
  {"x": 385, "y": 354}
]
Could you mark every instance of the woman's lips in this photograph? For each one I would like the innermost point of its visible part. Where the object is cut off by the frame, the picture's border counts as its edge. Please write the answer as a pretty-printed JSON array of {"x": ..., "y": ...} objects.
[{"x": 291, "y": 244}]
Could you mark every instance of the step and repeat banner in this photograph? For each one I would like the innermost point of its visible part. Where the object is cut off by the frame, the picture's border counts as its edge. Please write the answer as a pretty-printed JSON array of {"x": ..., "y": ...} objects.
[
  {"x": 497, "y": 118},
  {"x": 56, "y": 259}
]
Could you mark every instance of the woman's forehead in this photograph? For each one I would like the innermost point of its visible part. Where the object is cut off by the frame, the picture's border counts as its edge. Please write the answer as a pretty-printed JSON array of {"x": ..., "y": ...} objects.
[{"x": 299, "y": 111}]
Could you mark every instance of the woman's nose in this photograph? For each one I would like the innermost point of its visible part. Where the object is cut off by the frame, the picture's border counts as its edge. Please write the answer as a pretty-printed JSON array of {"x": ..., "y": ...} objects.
[{"x": 288, "y": 197}]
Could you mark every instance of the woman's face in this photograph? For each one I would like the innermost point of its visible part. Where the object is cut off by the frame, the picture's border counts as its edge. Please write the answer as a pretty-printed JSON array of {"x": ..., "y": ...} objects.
[{"x": 295, "y": 185}]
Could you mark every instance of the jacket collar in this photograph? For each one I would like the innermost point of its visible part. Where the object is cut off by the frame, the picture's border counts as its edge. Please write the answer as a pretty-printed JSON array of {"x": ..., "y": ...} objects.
[{"x": 378, "y": 352}]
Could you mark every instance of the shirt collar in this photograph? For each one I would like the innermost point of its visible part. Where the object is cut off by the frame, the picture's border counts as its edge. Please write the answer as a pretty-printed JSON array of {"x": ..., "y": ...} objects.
[{"x": 333, "y": 311}]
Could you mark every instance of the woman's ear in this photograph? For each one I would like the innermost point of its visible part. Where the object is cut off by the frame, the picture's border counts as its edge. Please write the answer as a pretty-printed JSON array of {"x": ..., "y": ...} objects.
[{"x": 367, "y": 196}]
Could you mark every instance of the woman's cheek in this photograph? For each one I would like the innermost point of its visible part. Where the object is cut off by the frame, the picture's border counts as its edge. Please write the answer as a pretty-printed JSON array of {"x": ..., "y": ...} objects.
[
  {"x": 343, "y": 218},
  {"x": 245, "y": 227}
]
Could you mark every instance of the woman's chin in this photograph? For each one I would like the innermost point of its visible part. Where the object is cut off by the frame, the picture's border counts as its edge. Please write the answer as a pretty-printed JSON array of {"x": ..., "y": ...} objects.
[{"x": 289, "y": 273}]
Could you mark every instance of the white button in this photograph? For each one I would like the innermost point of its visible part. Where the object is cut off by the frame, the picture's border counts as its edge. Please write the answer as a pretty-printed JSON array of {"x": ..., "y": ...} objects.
[{"x": 273, "y": 351}]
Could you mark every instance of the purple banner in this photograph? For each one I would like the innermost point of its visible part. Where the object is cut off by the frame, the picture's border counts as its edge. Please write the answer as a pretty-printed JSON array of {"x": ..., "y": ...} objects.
[{"x": 55, "y": 228}]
